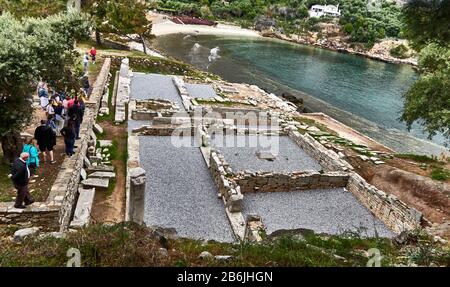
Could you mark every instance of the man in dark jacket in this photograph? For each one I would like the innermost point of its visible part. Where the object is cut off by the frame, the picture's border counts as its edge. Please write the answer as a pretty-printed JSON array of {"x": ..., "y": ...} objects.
[
  {"x": 75, "y": 113},
  {"x": 46, "y": 140},
  {"x": 20, "y": 178}
]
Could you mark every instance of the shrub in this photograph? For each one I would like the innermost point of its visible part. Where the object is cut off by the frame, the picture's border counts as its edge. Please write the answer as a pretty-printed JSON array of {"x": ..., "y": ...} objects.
[
  {"x": 400, "y": 51},
  {"x": 348, "y": 28}
]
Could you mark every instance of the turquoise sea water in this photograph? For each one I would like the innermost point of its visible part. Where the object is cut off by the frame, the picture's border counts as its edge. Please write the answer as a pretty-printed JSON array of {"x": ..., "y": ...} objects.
[{"x": 362, "y": 93}]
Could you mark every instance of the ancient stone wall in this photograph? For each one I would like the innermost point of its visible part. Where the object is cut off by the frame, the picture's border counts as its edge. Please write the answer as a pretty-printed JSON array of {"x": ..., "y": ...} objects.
[
  {"x": 123, "y": 91},
  {"x": 42, "y": 216},
  {"x": 222, "y": 175},
  {"x": 69, "y": 177},
  {"x": 329, "y": 160},
  {"x": 285, "y": 182},
  {"x": 388, "y": 208}
]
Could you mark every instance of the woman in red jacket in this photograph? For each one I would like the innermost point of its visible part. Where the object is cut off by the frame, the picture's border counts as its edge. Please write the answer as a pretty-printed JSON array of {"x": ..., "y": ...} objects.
[{"x": 93, "y": 53}]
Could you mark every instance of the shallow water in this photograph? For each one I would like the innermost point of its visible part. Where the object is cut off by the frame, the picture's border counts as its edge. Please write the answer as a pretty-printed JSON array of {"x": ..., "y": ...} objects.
[{"x": 362, "y": 93}]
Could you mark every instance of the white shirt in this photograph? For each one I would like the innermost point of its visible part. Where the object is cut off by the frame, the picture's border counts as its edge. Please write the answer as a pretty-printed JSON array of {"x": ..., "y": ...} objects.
[{"x": 50, "y": 110}]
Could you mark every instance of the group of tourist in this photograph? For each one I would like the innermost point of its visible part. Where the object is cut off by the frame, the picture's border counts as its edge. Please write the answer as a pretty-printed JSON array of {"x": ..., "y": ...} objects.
[{"x": 63, "y": 117}]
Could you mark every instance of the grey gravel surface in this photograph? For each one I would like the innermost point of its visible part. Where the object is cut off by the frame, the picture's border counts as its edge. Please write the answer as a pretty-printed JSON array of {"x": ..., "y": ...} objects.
[
  {"x": 332, "y": 211},
  {"x": 201, "y": 91},
  {"x": 154, "y": 86},
  {"x": 240, "y": 152},
  {"x": 180, "y": 191}
]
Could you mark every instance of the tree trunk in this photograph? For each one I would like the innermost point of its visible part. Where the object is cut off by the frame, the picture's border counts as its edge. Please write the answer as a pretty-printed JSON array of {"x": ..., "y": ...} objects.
[
  {"x": 98, "y": 38},
  {"x": 12, "y": 146},
  {"x": 143, "y": 44}
]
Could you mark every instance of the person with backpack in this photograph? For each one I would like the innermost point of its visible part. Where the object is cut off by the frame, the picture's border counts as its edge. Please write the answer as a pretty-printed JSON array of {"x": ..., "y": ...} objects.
[{"x": 33, "y": 159}]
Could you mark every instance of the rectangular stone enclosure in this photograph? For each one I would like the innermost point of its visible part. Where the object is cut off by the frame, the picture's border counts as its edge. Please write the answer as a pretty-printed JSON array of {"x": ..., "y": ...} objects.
[
  {"x": 331, "y": 211},
  {"x": 264, "y": 153},
  {"x": 180, "y": 192},
  {"x": 154, "y": 86}
]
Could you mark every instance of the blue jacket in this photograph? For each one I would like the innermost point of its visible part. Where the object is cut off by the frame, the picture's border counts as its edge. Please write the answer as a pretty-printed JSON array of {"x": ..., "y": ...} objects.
[{"x": 34, "y": 155}]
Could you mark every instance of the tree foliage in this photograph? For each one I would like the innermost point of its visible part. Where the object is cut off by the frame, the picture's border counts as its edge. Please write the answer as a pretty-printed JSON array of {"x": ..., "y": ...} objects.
[
  {"x": 428, "y": 100},
  {"x": 122, "y": 17},
  {"x": 427, "y": 21},
  {"x": 33, "y": 8},
  {"x": 367, "y": 24}
]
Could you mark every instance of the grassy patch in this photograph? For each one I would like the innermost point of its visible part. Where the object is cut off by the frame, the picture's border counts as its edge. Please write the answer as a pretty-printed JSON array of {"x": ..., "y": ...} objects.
[
  {"x": 440, "y": 174},
  {"x": 127, "y": 244},
  {"x": 417, "y": 158},
  {"x": 222, "y": 104},
  {"x": 311, "y": 122},
  {"x": 147, "y": 64},
  {"x": 6, "y": 188}
]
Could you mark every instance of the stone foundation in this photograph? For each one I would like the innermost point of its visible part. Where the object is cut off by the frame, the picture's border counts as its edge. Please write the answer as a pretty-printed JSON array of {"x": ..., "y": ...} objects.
[
  {"x": 285, "y": 182},
  {"x": 328, "y": 159},
  {"x": 388, "y": 208}
]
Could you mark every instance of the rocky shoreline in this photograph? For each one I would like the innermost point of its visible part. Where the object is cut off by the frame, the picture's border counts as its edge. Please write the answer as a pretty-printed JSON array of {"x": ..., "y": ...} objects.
[{"x": 333, "y": 46}]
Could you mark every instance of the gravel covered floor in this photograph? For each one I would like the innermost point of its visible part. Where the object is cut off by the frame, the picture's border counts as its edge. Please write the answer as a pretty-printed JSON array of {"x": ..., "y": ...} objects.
[
  {"x": 154, "y": 86},
  {"x": 324, "y": 211},
  {"x": 240, "y": 152},
  {"x": 180, "y": 191},
  {"x": 201, "y": 91}
]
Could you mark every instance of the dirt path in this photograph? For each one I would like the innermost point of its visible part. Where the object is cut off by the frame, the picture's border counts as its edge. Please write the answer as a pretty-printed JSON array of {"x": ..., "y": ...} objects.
[{"x": 111, "y": 207}]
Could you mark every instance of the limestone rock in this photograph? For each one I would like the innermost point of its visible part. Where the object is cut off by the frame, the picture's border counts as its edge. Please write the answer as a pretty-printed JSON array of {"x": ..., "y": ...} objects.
[
  {"x": 162, "y": 252},
  {"x": 21, "y": 234},
  {"x": 98, "y": 129},
  {"x": 105, "y": 143},
  {"x": 96, "y": 183},
  {"x": 223, "y": 257},
  {"x": 57, "y": 235},
  {"x": 206, "y": 255},
  {"x": 102, "y": 174},
  {"x": 104, "y": 168},
  {"x": 83, "y": 174}
]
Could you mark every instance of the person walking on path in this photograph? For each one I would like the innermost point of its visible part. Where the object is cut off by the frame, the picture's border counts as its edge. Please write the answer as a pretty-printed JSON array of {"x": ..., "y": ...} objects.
[
  {"x": 86, "y": 62},
  {"x": 69, "y": 137},
  {"x": 20, "y": 175},
  {"x": 86, "y": 86},
  {"x": 59, "y": 118},
  {"x": 33, "y": 159},
  {"x": 46, "y": 140},
  {"x": 50, "y": 110},
  {"x": 93, "y": 53},
  {"x": 76, "y": 115}
]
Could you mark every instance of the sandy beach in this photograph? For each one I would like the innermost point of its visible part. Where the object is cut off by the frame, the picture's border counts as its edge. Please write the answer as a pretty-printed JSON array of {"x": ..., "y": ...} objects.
[{"x": 163, "y": 26}]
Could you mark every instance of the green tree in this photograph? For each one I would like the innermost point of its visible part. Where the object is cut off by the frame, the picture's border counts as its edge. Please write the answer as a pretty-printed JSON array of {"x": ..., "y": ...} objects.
[
  {"x": 127, "y": 18},
  {"x": 428, "y": 100},
  {"x": 33, "y": 8},
  {"x": 97, "y": 9},
  {"x": 32, "y": 49},
  {"x": 425, "y": 21}
]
